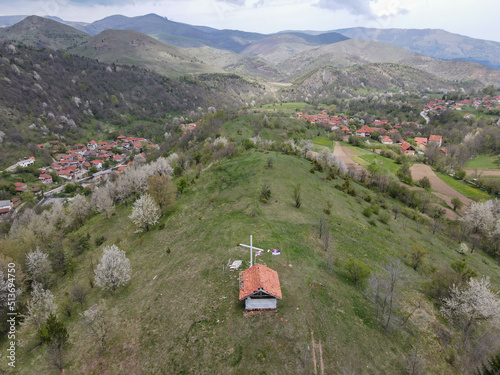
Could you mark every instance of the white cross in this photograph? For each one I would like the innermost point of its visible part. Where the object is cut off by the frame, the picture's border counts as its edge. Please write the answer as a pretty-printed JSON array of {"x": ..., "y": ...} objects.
[{"x": 251, "y": 247}]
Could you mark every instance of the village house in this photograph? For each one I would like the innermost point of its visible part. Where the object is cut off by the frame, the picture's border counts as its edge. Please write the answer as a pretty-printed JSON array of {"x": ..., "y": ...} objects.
[
  {"x": 20, "y": 187},
  {"x": 5, "y": 207},
  {"x": 407, "y": 149},
  {"x": 436, "y": 138},
  {"x": 97, "y": 163},
  {"x": 386, "y": 140},
  {"x": 259, "y": 288},
  {"x": 26, "y": 162},
  {"x": 45, "y": 178},
  {"x": 421, "y": 141}
]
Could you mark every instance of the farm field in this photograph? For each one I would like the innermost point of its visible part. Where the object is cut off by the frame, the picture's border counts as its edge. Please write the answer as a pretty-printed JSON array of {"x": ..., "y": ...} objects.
[{"x": 483, "y": 162}]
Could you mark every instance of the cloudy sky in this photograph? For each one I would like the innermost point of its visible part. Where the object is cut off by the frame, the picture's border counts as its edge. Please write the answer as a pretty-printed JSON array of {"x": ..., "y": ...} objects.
[{"x": 475, "y": 18}]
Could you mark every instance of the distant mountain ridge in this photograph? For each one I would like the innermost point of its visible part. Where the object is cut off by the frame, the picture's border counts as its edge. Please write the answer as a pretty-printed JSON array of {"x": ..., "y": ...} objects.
[
  {"x": 436, "y": 43},
  {"x": 282, "y": 57},
  {"x": 43, "y": 32},
  {"x": 431, "y": 42}
]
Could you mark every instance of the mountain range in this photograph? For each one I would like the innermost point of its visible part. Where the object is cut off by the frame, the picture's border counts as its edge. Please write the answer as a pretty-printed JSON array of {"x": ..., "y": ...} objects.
[{"x": 174, "y": 49}]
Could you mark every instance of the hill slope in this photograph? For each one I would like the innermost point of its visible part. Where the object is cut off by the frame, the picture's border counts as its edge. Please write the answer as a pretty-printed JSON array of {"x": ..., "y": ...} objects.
[
  {"x": 355, "y": 52},
  {"x": 181, "y": 314},
  {"x": 433, "y": 42},
  {"x": 41, "y": 32},
  {"x": 280, "y": 47},
  {"x": 133, "y": 48}
]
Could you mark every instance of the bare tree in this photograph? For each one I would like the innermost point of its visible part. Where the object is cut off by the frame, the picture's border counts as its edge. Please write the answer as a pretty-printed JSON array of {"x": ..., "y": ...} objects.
[
  {"x": 79, "y": 293},
  {"x": 322, "y": 225},
  {"x": 38, "y": 266},
  {"x": 326, "y": 238},
  {"x": 113, "y": 270},
  {"x": 384, "y": 290},
  {"x": 396, "y": 210},
  {"x": 145, "y": 213},
  {"x": 97, "y": 323}
]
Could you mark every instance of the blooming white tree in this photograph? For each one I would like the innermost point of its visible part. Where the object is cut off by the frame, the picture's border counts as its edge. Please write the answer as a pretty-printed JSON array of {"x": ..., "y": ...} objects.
[
  {"x": 40, "y": 306},
  {"x": 113, "y": 270},
  {"x": 102, "y": 199},
  {"x": 38, "y": 265},
  {"x": 471, "y": 305},
  {"x": 145, "y": 213},
  {"x": 78, "y": 210},
  {"x": 480, "y": 216}
]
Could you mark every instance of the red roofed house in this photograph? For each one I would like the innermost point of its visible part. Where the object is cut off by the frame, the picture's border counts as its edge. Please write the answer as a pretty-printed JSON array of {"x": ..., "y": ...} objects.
[
  {"x": 407, "y": 149},
  {"x": 5, "y": 207},
  {"x": 97, "y": 163},
  {"x": 45, "y": 178},
  {"x": 421, "y": 141},
  {"x": 436, "y": 138},
  {"x": 260, "y": 288},
  {"x": 118, "y": 157},
  {"x": 20, "y": 186},
  {"x": 386, "y": 140}
]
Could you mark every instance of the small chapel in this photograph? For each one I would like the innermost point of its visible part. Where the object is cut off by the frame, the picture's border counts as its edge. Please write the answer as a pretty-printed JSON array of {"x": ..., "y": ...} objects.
[{"x": 260, "y": 288}]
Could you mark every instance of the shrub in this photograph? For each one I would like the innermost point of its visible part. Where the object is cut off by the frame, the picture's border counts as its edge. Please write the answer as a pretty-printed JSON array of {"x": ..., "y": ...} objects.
[
  {"x": 425, "y": 183},
  {"x": 358, "y": 271},
  {"x": 384, "y": 217},
  {"x": 296, "y": 196},
  {"x": 457, "y": 203},
  {"x": 265, "y": 193},
  {"x": 460, "y": 174},
  {"x": 367, "y": 212},
  {"x": 375, "y": 209}
]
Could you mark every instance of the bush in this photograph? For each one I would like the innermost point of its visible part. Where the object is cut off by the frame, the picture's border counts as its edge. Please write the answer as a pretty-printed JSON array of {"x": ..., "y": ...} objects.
[
  {"x": 425, "y": 183},
  {"x": 384, "y": 217},
  {"x": 296, "y": 196},
  {"x": 457, "y": 203},
  {"x": 368, "y": 212},
  {"x": 358, "y": 271},
  {"x": 460, "y": 174},
  {"x": 376, "y": 209},
  {"x": 265, "y": 193}
]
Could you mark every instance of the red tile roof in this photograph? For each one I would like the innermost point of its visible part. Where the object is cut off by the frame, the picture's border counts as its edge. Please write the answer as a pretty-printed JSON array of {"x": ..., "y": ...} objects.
[
  {"x": 435, "y": 138},
  {"x": 259, "y": 278}
]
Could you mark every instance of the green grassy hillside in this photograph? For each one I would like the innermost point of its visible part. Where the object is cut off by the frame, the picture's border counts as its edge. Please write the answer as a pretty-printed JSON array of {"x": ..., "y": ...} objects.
[{"x": 181, "y": 315}]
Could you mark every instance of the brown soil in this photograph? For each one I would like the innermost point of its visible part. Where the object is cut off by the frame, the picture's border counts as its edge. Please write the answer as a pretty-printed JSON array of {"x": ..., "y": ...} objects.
[{"x": 443, "y": 191}]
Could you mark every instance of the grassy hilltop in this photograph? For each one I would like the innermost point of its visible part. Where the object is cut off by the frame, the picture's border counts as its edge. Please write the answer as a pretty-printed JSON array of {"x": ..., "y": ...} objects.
[{"x": 181, "y": 315}]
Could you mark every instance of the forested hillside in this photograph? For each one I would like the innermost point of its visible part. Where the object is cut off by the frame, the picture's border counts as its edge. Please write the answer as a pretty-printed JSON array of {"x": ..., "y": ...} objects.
[{"x": 47, "y": 93}]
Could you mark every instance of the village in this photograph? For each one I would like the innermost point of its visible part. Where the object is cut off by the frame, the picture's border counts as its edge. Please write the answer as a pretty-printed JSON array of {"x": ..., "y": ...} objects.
[
  {"x": 82, "y": 164},
  {"x": 406, "y": 134}
]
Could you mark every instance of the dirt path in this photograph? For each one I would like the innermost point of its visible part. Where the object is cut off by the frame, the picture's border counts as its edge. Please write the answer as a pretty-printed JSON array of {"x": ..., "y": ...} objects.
[
  {"x": 317, "y": 346},
  {"x": 345, "y": 154},
  {"x": 483, "y": 172},
  {"x": 315, "y": 364},
  {"x": 444, "y": 191}
]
